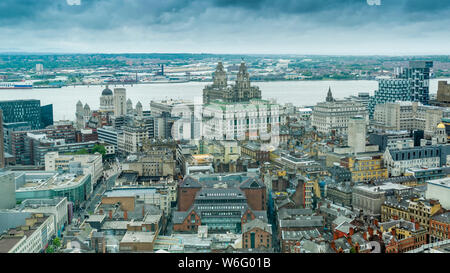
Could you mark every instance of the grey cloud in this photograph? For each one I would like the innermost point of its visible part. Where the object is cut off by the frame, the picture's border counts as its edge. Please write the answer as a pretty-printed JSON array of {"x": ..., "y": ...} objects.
[{"x": 207, "y": 23}]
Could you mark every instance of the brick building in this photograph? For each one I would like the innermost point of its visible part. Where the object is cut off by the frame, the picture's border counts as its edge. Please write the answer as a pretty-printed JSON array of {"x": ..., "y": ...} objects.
[
  {"x": 257, "y": 234},
  {"x": 440, "y": 227},
  {"x": 223, "y": 203}
]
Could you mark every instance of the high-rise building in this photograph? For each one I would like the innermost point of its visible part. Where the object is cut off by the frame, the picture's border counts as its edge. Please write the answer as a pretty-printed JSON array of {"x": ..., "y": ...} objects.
[
  {"x": 443, "y": 94},
  {"x": 46, "y": 115},
  {"x": 120, "y": 98},
  {"x": 241, "y": 91},
  {"x": 2, "y": 143},
  {"x": 26, "y": 110},
  {"x": 357, "y": 134},
  {"x": 418, "y": 73},
  {"x": 411, "y": 84},
  {"x": 7, "y": 191},
  {"x": 39, "y": 68},
  {"x": 389, "y": 90}
]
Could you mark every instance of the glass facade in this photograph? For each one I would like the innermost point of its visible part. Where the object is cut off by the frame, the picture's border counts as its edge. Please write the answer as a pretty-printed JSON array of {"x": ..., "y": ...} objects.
[
  {"x": 76, "y": 194},
  {"x": 22, "y": 110}
]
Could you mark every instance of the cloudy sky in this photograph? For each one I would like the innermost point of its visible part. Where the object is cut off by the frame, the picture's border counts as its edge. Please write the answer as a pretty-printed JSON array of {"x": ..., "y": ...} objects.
[{"x": 226, "y": 26}]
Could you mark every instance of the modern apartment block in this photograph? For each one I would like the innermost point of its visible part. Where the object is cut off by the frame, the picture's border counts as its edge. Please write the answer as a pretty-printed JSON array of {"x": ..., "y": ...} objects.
[
  {"x": 389, "y": 90},
  {"x": 411, "y": 84},
  {"x": 27, "y": 111}
]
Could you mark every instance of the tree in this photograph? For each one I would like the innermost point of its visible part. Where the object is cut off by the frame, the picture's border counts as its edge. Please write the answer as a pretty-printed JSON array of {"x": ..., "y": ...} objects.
[
  {"x": 57, "y": 242},
  {"x": 50, "y": 249},
  {"x": 99, "y": 149}
]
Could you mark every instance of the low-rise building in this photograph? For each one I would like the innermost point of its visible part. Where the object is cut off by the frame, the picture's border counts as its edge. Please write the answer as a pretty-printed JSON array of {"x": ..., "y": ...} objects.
[
  {"x": 398, "y": 161},
  {"x": 31, "y": 236},
  {"x": 340, "y": 193},
  {"x": 151, "y": 163},
  {"x": 439, "y": 189},
  {"x": 370, "y": 198},
  {"x": 440, "y": 227},
  {"x": 255, "y": 151},
  {"x": 401, "y": 236},
  {"x": 77, "y": 187},
  {"x": 256, "y": 234},
  {"x": 421, "y": 211},
  {"x": 91, "y": 163},
  {"x": 365, "y": 169},
  {"x": 57, "y": 207}
]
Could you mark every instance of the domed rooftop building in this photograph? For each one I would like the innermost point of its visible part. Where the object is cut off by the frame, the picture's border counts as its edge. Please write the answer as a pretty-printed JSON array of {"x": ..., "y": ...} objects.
[
  {"x": 107, "y": 92},
  {"x": 107, "y": 100},
  {"x": 440, "y": 134}
]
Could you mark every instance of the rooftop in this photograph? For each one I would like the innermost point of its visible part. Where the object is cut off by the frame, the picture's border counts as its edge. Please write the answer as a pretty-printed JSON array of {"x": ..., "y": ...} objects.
[
  {"x": 138, "y": 237},
  {"x": 41, "y": 180},
  {"x": 443, "y": 217},
  {"x": 444, "y": 182}
]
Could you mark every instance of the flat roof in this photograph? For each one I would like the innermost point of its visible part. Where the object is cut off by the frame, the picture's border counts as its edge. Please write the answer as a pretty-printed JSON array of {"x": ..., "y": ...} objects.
[
  {"x": 124, "y": 192},
  {"x": 444, "y": 182},
  {"x": 383, "y": 187},
  {"x": 138, "y": 237},
  {"x": 48, "y": 180}
]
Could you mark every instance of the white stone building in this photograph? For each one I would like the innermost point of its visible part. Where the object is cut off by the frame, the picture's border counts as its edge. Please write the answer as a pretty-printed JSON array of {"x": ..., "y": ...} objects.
[
  {"x": 91, "y": 163},
  {"x": 439, "y": 189},
  {"x": 335, "y": 115},
  {"x": 254, "y": 120},
  {"x": 398, "y": 161}
]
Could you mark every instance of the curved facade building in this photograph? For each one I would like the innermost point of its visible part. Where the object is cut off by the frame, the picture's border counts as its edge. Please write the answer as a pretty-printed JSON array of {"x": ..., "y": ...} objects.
[{"x": 47, "y": 185}]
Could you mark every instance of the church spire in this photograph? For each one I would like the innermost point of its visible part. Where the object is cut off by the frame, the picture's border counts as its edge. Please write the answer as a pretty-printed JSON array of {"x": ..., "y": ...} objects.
[{"x": 329, "y": 95}]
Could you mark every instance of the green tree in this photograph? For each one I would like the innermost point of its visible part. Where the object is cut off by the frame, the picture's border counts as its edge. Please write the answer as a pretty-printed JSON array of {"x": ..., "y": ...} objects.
[
  {"x": 57, "y": 242},
  {"x": 99, "y": 149},
  {"x": 50, "y": 249}
]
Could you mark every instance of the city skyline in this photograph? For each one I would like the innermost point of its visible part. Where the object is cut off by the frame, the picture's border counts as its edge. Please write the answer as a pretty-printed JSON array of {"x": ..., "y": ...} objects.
[{"x": 404, "y": 27}]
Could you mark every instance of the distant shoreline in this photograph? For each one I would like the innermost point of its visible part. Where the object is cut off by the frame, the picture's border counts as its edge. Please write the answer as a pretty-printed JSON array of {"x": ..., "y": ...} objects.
[{"x": 253, "y": 81}]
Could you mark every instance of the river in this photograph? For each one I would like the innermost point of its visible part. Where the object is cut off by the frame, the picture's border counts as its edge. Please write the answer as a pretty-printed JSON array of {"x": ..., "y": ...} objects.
[{"x": 297, "y": 92}]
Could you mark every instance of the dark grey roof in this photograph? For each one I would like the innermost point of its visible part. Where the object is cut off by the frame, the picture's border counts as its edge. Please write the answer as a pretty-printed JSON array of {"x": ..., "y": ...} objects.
[
  {"x": 179, "y": 216},
  {"x": 107, "y": 92},
  {"x": 415, "y": 153},
  {"x": 300, "y": 235},
  {"x": 261, "y": 214},
  {"x": 257, "y": 223},
  {"x": 220, "y": 193},
  {"x": 443, "y": 217},
  {"x": 190, "y": 182},
  {"x": 301, "y": 222},
  {"x": 286, "y": 213},
  {"x": 252, "y": 183}
]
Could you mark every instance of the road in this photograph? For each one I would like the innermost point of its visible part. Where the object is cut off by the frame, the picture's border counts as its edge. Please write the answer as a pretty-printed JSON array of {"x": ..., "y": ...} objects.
[{"x": 106, "y": 183}]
